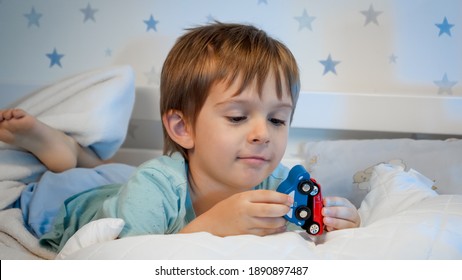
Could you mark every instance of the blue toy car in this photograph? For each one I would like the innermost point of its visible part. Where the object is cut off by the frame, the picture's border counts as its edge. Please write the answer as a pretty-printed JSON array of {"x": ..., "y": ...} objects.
[{"x": 306, "y": 192}]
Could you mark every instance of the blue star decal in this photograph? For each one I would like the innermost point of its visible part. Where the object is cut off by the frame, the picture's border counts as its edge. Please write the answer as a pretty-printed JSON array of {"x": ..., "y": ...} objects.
[
  {"x": 210, "y": 19},
  {"x": 55, "y": 58},
  {"x": 108, "y": 52},
  {"x": 329, "y": 65},
  {"x": 153, "y": 77},
  {"x": 392, "y": 58},
  {"x": 371, "y": 15},
  {"x": 444, "y": 85},
  {"x": 444, "y": 27},
  {"x": 262, "y": 1},
  {"x": 151, "y": 23},
  {"x": 33, "y": 18},
  {"x": 89, "y": 13},
  {"x": 304, "y": 20}
]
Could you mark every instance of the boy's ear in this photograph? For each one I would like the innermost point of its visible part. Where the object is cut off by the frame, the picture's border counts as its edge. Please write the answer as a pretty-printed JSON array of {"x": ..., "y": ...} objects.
[{"x": 178, "y": 129}]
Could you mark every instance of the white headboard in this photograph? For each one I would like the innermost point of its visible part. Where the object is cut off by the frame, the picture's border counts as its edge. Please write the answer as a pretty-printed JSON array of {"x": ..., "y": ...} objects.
[{"x": 379, "y": 112}]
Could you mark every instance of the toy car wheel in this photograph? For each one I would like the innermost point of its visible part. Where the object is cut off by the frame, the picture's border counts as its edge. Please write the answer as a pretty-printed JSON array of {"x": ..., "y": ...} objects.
[
  {"x": 314, "y": 191},
  {"x": 303, "y": 213},
  {"x": 305, "y": 187},
  {"x": 314, "y": 229}
]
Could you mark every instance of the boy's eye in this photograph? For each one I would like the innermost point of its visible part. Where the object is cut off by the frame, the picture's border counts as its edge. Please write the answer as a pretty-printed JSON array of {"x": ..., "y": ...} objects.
[
  {"x": 277, "y": 122},
  {"x": 237, "y": 119}
]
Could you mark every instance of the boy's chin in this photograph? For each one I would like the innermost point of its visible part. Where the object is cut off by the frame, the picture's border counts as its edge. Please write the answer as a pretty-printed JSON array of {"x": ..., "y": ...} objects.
[{"x": 251, "y": 182}]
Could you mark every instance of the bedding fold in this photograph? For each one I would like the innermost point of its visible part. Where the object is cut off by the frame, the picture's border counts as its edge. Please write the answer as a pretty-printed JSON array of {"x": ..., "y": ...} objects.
[{"x": 93, "y": 107}]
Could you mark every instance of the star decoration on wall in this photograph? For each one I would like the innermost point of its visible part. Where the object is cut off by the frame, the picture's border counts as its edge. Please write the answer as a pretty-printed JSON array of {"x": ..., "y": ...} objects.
[
  {"x": 445, "y": 27},
  {"x": 55, "y": 58},
  {"x": 210, "y": 19},
  {"x": 33, "y": 18},
  {"x": 304, "y": 20},
  {"x": 89, "y": 13},
  {"x": 371, "y": 15},
  {"x": 151, "y": 23},
  {"x": 329, "y": 65},
  {"x": 445, "y": 85},
  {"x": 392, "y": 58},
  {"x": 108, "y": 52},
  {"x": 153, "y": 77}
]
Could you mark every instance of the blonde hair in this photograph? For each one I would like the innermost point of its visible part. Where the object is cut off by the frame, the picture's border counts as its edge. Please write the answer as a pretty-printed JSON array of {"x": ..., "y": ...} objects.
[{"x": 218, "y": 52}]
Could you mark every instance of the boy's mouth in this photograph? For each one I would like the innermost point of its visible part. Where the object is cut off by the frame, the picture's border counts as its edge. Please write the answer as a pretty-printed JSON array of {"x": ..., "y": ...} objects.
[{"x": 253, "y": 160}]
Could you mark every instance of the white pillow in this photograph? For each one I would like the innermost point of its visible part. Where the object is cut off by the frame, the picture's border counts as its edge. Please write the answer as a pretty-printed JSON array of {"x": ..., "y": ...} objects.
[
  {"x": 93, "y": 107},
  {"x": 343, "y": 167},
  {"x": 402, "y": 218},
  {"x": 393, "y": 190},
  {"x": 94, "y": 232}
]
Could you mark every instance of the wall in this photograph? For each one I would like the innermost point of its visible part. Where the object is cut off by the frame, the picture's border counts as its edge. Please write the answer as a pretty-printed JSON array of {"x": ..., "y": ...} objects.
[{"x": 403, "y": 47}]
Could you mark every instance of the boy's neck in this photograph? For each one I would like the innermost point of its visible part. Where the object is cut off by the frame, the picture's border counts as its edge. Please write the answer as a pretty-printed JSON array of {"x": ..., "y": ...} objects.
[{"x": 205, "y": 198}]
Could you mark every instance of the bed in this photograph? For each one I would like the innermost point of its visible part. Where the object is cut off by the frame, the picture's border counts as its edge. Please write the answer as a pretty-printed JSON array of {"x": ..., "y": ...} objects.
[{"x": 403, "y": 173}]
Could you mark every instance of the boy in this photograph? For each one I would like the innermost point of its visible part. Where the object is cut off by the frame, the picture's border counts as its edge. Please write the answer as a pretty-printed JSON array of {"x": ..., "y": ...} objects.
[{"x": 228, "y": 93}]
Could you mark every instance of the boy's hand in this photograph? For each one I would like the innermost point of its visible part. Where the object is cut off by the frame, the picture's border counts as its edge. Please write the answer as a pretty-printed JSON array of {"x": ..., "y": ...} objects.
[
  {"x": 339, "y": 213},
  {"x": 258, "y": 212}
]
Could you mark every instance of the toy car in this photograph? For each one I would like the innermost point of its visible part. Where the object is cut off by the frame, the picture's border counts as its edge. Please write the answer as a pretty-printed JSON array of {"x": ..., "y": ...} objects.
[{"x": 306, "y": 192}]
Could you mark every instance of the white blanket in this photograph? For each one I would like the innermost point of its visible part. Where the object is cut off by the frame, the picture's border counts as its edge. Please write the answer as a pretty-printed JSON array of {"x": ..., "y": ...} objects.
[
  {"x": 402, "y": 218},
  {"x": 94, "y": 107}
]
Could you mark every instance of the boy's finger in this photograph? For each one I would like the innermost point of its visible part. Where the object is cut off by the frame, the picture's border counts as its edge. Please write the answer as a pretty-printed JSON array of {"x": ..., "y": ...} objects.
[
  {"x": 270, "y": 210},
  {"x": 268, "y": 196},
  {"x": 340, "y": 212},
  {"x": 270, "y": 225},
  {"x": 333, "y": 224}
]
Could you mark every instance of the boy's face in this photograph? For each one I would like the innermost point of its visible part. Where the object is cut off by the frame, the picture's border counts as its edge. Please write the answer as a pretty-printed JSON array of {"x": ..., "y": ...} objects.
[{"x": 239, "y": 140}]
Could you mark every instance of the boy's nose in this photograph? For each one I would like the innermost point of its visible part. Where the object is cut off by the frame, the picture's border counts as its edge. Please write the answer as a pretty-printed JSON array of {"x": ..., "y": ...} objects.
[{"x": 259, "y": 133}]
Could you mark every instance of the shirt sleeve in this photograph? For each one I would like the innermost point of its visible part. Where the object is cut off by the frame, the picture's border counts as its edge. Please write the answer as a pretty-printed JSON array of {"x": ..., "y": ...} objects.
[{"x": 152, "y": 201}]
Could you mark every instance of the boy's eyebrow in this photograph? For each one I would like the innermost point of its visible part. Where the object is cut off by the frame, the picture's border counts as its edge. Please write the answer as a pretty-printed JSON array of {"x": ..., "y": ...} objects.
[
  {"x": 284, "y": 105},
  {"x": 278, "y": 105}
]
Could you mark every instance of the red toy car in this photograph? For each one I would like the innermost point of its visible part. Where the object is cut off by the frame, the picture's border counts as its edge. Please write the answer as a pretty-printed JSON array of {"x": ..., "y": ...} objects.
[{"x": 306, "y": 192}]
